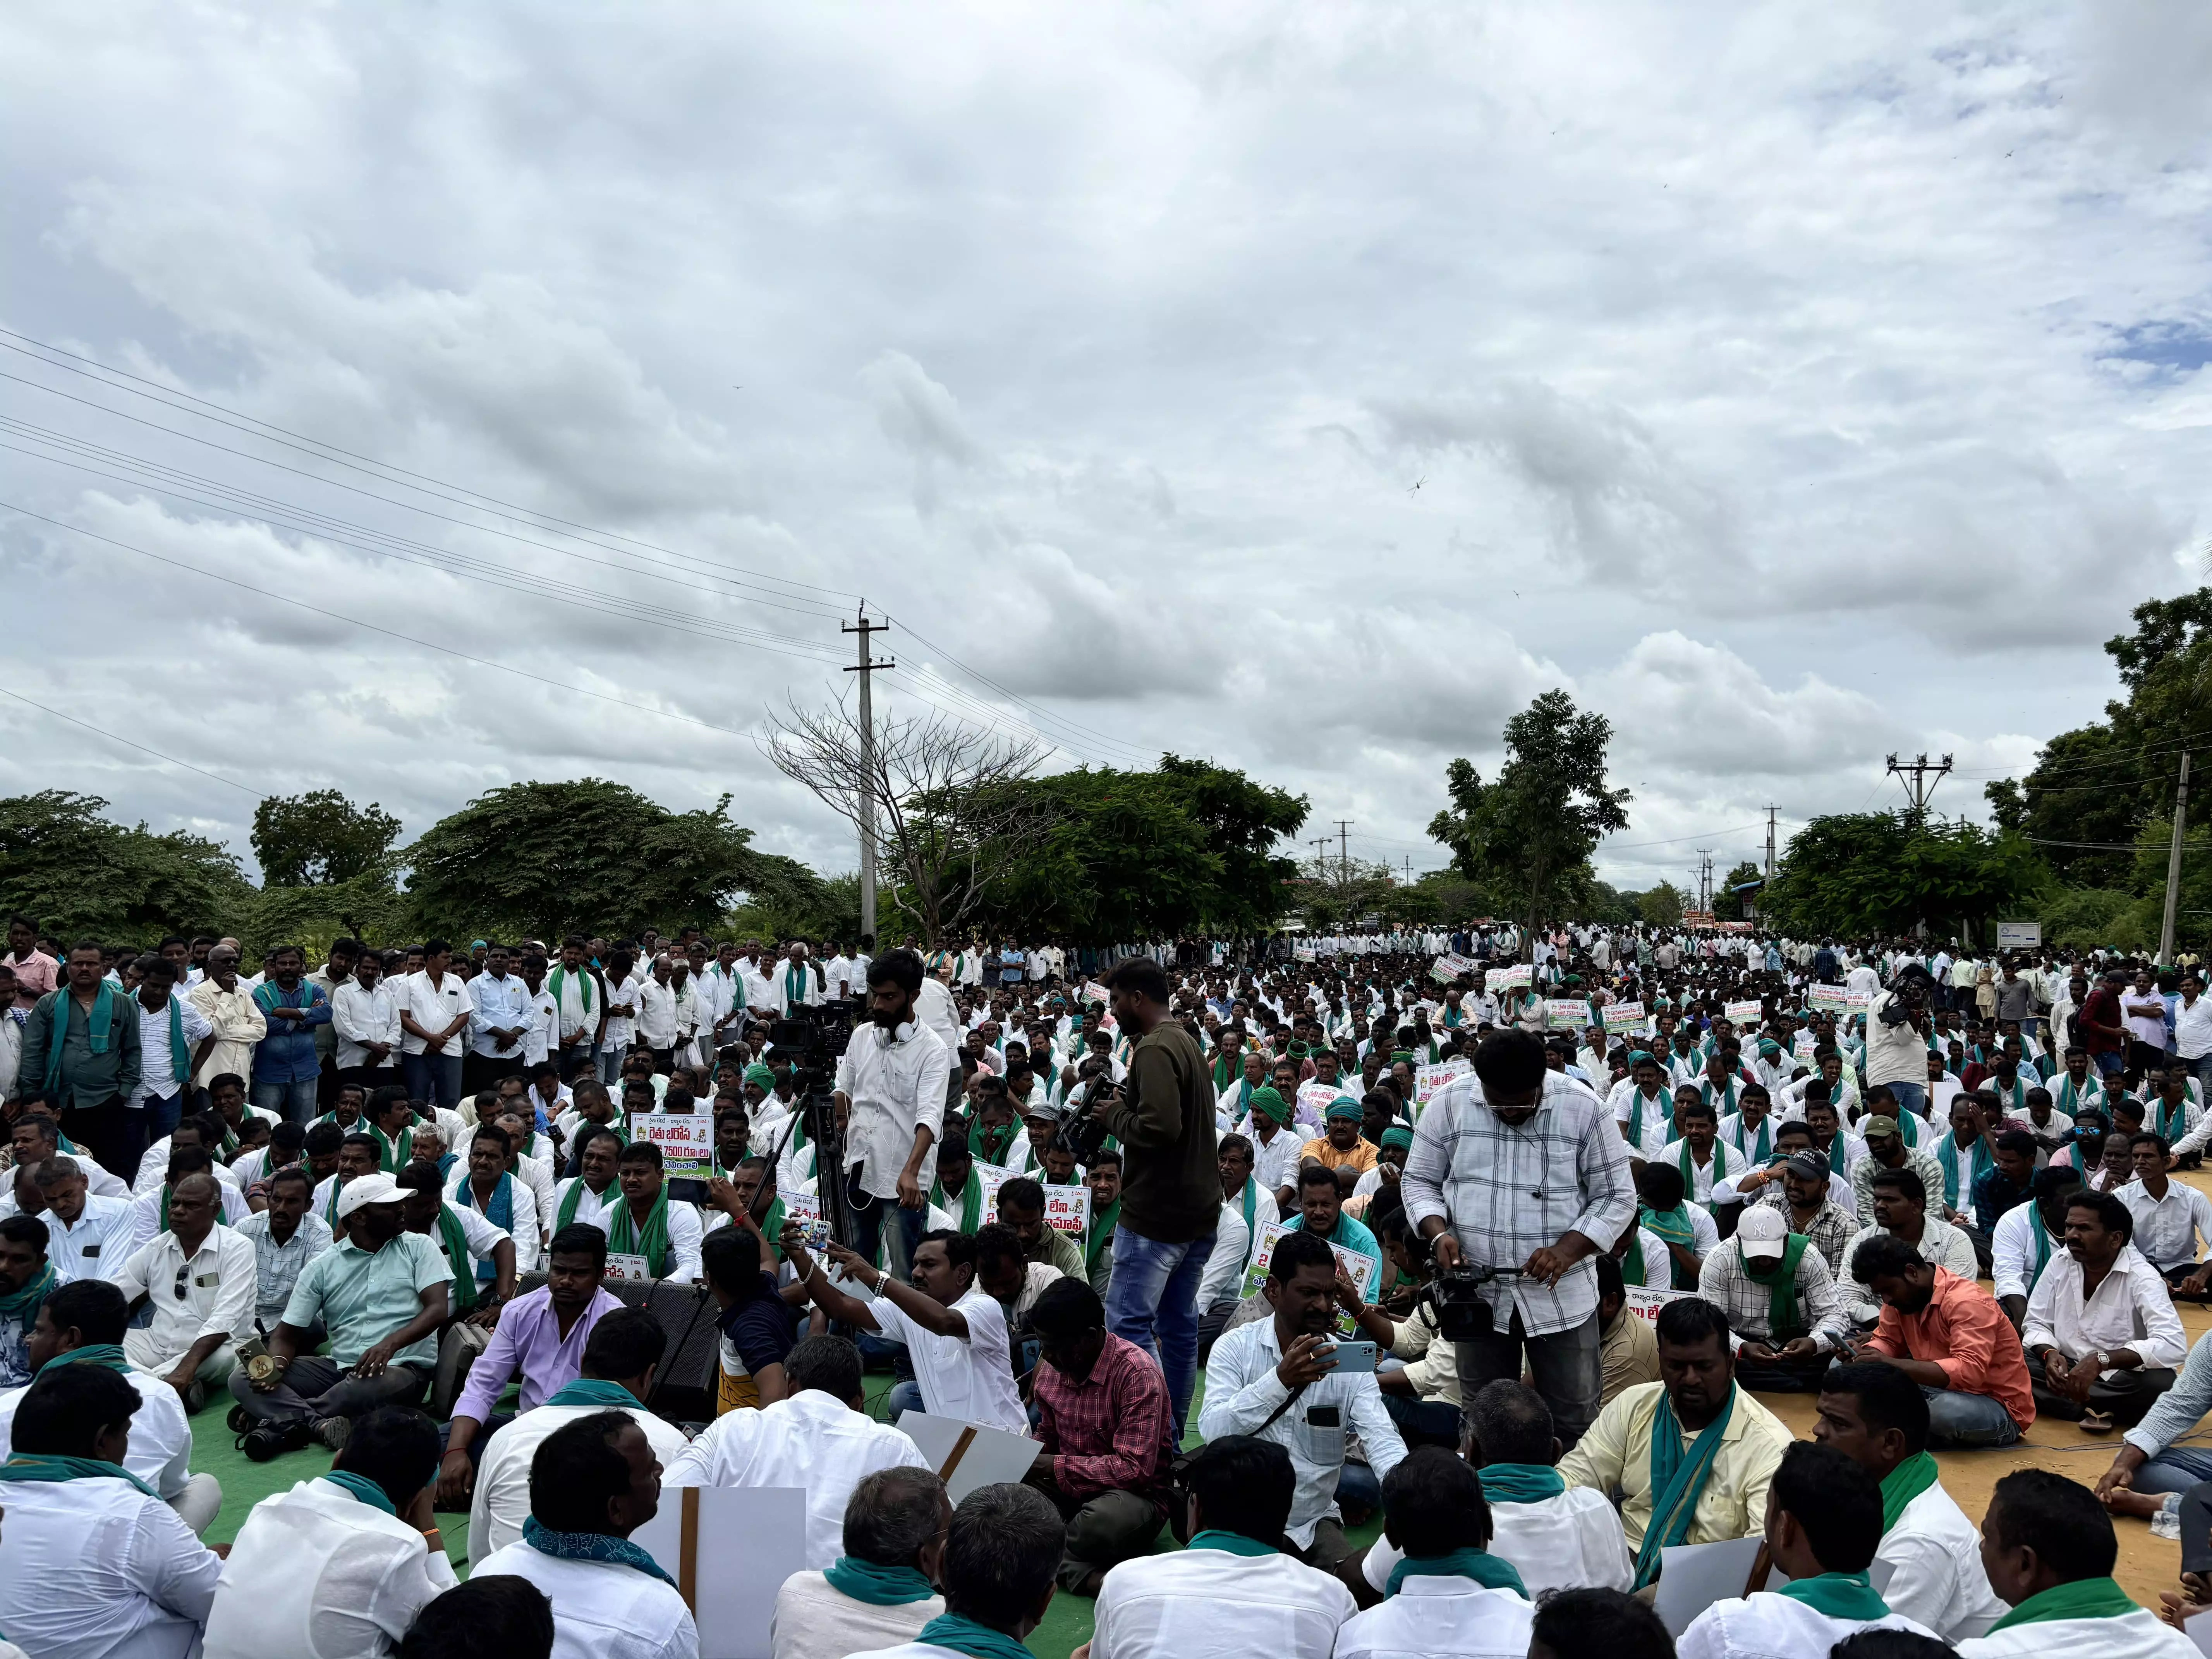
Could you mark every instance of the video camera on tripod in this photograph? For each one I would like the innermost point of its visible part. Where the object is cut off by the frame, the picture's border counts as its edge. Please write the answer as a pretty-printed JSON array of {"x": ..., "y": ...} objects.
[{"x": 811, "y": 1045}]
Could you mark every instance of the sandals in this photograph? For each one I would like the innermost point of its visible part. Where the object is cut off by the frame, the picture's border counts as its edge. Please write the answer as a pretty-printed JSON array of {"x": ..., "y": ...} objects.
[{"x": 2096, "y": 1423}]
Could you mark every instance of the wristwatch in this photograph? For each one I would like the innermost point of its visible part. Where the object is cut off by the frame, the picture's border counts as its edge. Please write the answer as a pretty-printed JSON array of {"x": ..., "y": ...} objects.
[{"x": 2104, "y": 1358}]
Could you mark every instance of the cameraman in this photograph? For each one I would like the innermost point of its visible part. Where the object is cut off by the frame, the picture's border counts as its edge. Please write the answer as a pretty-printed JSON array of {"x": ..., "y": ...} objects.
[
  {"x": 1897, "y": 1039},
  {"x": 891, "y": 1093},
  {"x": 1170, "y": 1178},
  {"x": 1519, "y": 1167}
]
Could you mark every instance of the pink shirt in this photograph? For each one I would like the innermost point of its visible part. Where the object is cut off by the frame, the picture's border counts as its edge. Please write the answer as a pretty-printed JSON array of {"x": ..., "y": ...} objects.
[{"x": 35, "y": 974}]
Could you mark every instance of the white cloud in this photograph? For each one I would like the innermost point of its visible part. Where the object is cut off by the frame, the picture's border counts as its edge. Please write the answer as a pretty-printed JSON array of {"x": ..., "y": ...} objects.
[{"x": 1792, "y": 386}]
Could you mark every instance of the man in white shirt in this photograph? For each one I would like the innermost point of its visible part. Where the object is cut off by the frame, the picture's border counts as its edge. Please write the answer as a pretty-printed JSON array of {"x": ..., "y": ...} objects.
[
  {"x": 2049, "y": 1550},
  {"x": 87, "y": 1236},
  {"x": 337, "y": 1567},
  {"x": 365, "y": 1019},
  {"x": 1449, "y": 1596},
  {"x": 891, "y": 1085},
  {"x": 201, "y": 1280},
  {"x": 881, "y": 1590},
  {"x": 1823, "y": 1528},
  {"x": 955, "y": 1331},
  {"x": 2102, "y": 1334},
  {"x": 793, "y": 984},
  {"x": 620, "y": 1357},
  {"x": 79, "y": 1330},
  {"x": 1276, "y": 1379},
  {"x": 1554, "y": 1535},
  {"x": 657, "y": 1013},
  {"x": 544, "y": 1012},
  {"x": 171, "y": 1028},
  {"x": 234, "y": 1020},
  {"x": 1877, "y": 1416},
  {"x": 818, "y": 1436},
  {"x": 997, "y": 1567},
  {"x": 1232, "y": 1595},
  {"x": 499, "y": 1020},
  {"x": 434, "y": 1013},
  {"x": 2169, "y": 1217},
  {"x": 96, "y": 1565},
  {"x": 593, "y": 1483}
]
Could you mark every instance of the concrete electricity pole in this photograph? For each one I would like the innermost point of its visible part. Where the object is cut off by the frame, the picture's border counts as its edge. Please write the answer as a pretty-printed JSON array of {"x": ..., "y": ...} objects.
[
  {"x": 1343, "y": 852},
  {"x": 1915, "y": 772},
  {"x": 2173, "y": 862},
  {"x": 865, "y": 667}
]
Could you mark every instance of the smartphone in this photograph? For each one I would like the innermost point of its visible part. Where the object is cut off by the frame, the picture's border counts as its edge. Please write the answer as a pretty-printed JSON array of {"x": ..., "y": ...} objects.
[{"x": 1352, "y": 1357}]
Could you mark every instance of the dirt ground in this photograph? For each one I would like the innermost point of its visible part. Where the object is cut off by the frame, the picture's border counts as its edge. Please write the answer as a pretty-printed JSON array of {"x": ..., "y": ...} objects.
[{"x": 2148, "y": 1564}]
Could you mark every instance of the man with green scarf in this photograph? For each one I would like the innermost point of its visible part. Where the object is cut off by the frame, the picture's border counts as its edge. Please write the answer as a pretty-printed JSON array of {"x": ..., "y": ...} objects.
[
  {"x": 81, "y": 1056},
  {"x": 1555, "y": 1536},
  {"x": 2049, "y": 1550},
  {"x": 592, "y": 1484},
  {"x": 1002, "y": 1552},
  {"x": 882, "y": 1590},
  {"x": 1877, "y": 1416},
  {"x": 96, "y": 1562},
  {"x": 1691, "y": 1454},
  {"x": 1450, "y": 1593},
  {"x": 27, "y": 1280},
  {"x": 1782, "y": 1300},
  {"x": 1823, "y": 1526},
  {"x": 645, "y": 1224}
]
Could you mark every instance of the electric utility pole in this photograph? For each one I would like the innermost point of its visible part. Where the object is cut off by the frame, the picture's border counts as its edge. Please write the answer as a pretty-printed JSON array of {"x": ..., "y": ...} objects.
[
  {"x": 1921, "y": 786},
  {"x": 865, "y": 667},
  {"x": 1343, "y": 850},
  {"x": 1770, "y": 843},
  {"x": 2173, "y": 862}
]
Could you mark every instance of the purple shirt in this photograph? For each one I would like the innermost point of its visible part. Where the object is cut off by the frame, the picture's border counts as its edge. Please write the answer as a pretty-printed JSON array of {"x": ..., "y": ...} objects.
[{"x": 528, "y": 1338}]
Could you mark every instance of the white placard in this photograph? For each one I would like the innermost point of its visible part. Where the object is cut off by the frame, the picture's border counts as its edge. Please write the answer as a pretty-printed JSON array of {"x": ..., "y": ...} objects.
[
  {"x": 1645, "y": 1304},
  {"x": 623, "y": 1266},
  {"x": 1567, "y": 1013},
  {"x": 1311, "y": 1109},
  {"x": 1692, "y": 1577},
  {"x": 2026, "y": 936},
  {"x": 1744, "y": 1014},
  {"x": 966, "y": 1456},
  {"x": 686, "y": 1141},
  {"x": 1428, "y": 1080},
  {"x": 745, "y": 1542},
  {"x": 1068, "y": 1209}
]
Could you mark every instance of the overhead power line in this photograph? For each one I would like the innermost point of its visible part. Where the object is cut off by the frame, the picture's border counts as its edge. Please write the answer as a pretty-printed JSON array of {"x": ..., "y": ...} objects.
[{"x": 131, "y": 742}]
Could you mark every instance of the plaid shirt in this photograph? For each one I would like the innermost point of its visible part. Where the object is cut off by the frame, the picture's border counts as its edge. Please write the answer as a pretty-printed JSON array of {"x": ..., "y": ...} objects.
[
  {"x": 1111, "y": 1431},
  {"x": 1831, "y": 1231},
  {"x": 1723, "y": 1283},
  {"x": 1509, "y": 1190}
]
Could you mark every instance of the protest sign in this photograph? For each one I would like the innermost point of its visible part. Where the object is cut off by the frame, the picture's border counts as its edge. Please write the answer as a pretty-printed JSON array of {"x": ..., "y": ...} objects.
[
  {"x": 1068, "y": 1209},
  {"x": 1567, "y": 1013},
  {"x": 1360, "y": 1268},
  {"x": 806, "y": 1211},
  {"x": 991, "y": 1177},
  {"x": 1624, "y": 1015},
  {"x": 1508, "y": 979},
  {"x": 1429, "y": 1081},
  {"x": 1450, "y": 966},
  {"x": 1744, "y": 1014},
  {"x": 966, "y": 1456},
  {"x": 1312, "y": 1108},
  {"x": 634, "y": 1269},
  {"x": 686, "y": 1143},
  {"x": 1645, "y": 1304},
  {"x": 729, "y": 1549}
]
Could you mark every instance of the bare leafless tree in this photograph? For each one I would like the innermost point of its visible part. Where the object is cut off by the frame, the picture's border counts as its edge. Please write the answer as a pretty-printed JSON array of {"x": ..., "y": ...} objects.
[{"x": 950, "y": 815}]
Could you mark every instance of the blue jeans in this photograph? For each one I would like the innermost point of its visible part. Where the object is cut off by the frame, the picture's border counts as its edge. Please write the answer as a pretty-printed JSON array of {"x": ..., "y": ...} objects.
[
  {"x": 904, "y": 1397},
  {"x": 2175, "y": 1470},
  {"x": 868, "y": 1234},
  {"x": 162, "y": 1113},
  {"x": 1151, "y": 1300},
  {"x": 1358, "y": 1493},
  {"x": 1912, "y": 1097},
  {"x": 433, "y": 1079},
  {"x": 293, "y": 1103},
  {"x": 1960, "y": 1420}
]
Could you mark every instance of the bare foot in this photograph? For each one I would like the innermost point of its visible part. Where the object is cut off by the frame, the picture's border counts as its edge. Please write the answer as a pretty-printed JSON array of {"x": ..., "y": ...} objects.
[{"x": 2121, "y": 1501}]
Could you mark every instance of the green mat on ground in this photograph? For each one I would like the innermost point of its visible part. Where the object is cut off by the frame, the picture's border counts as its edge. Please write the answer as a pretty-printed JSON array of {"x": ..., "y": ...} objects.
[{"x": 245, "y": 1483}]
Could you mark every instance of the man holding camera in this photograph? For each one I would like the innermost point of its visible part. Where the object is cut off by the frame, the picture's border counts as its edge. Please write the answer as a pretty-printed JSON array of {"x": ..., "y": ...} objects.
[
  {"x": 1518, "y": 1170},
  {"x": 1170, "y": 1181},
  {"x": 1897, "y": 1039},
  {"x": 891, "y": 1093}
]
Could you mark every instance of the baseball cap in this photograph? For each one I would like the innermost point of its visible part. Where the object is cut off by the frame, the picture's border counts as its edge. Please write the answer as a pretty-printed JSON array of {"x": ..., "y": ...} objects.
[
  {"x": 1761, "y": 1232},
  {"x": 1812, "y": 1165},
  {"x": 1879, "y": 1126},
  {"x": 369, "y": 1189}
]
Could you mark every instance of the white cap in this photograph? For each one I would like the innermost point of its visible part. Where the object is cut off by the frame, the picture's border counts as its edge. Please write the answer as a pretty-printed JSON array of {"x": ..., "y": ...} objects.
[
  {"x": 1760, "y": 1233},
  {"x": 369, "y": 1189}
]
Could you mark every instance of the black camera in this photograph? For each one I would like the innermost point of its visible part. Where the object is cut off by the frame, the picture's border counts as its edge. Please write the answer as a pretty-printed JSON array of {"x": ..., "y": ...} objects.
[{"x": 811, "y": 1044}]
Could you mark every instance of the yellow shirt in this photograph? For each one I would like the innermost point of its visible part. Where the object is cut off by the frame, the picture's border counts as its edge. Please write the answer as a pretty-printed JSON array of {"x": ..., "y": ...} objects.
[
  {"x": 1630, "y": 1353},
  {"x": 1616, "y": 1454},
  {"x": 1361, "y": 1157}
]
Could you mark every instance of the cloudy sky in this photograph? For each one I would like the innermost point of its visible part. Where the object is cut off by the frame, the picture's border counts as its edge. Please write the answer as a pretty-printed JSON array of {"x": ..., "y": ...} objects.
[{"x": 1306, "y": 387}]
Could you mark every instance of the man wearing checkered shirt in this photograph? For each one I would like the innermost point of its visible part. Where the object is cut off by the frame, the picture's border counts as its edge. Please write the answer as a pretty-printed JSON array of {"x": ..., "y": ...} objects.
[{"x": 1518, "y": 1167}]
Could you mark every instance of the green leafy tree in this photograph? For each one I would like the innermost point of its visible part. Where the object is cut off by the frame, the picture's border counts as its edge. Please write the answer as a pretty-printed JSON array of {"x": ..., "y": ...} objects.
[
  {"x": 1243, "y": 820},
  {"x": 1531, "y": 833},
  {"x": 1860, "y": 874},
  {"x": 79, "y": 874},
  {"x": 1660, "y": 906},
  {"x": 320, "y": 839},
  {"x": 546, "y": 859}
]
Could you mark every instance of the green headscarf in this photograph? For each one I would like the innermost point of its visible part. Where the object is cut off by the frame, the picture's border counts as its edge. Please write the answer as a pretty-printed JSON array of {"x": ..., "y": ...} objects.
[{"x": 1268, "y": 1101}]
